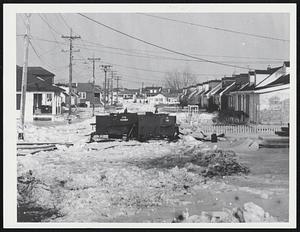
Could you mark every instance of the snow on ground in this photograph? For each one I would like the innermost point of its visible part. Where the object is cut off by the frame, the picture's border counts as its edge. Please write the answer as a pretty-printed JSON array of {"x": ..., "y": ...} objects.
[{"x": 105, "y": 182}]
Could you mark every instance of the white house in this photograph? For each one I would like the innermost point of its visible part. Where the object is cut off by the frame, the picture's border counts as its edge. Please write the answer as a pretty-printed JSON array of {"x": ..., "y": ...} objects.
[
  {"x": 43, "y": 100},
  {"x": 157, "y": 99}
]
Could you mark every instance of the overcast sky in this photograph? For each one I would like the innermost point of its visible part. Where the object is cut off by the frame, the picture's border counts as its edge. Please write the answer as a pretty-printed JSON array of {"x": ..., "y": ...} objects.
[{"x": 127, "y": 56}]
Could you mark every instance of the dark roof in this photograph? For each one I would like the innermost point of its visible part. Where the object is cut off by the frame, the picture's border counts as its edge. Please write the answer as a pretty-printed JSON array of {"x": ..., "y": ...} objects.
[
  {"x": 87, "y": 87},
  {"x": 214, "y": 81},
  {"x": 251, "y": 72},
  {"x": 267, "y": 71},
  {"x": 244, "y": 75},
  {"x": 207, "y": 91},
  {"x": 148, "y": 88},
  {"x": 249, "y": 87},
  {"x": 219, "y": 91},
  {"x": 66, "y": 84},
  {"x": 39, "y": 71},
  {"x": 284, "y": 79},
  {"x": 38, "y": 79}
]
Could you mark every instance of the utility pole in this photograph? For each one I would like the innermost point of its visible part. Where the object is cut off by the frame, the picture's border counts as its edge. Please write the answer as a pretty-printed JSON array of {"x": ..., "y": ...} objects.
[
  {"x": 117, "y": 79},
  {"x": 112, "y": 87},
  {"x": 105, "y": 68},
  {"x": 24, "y": 77},
  {"x": 93, "y": 59},
  {"x": 70, "y": 37}
]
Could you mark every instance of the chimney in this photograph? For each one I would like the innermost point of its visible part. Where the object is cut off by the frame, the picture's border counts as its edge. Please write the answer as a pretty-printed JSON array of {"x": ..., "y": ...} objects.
[{"x": 269, "y": 67}]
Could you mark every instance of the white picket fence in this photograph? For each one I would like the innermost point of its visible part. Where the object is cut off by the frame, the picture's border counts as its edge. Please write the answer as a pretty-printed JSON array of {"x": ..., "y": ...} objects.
[{"x": 240, "y": 129}]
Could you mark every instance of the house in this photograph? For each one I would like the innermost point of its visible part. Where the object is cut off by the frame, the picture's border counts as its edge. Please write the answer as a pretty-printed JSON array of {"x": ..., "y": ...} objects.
[
  {"x": 267, "y": 100},
  {"x": 128, "y": 95},
  {"x": 85, "y": 92},
  {"x": 208, "y": 87},
  {"x": 191, "y": 96},
  {"x": 65, "y": 95},
  {"x": 183, "y": 97},
  {"x": 43, "y": 100},
  {"x": 157, "y": 99},
  {"x": 171, "y": 95},
  {"x": 151, "y": 91}
]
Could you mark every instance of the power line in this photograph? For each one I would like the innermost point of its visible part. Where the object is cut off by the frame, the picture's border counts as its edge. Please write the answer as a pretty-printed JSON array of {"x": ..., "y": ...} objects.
[
  {"x": 45, "y": 21},
  {"x": 84, "y": 46},
  {"x": 64, "y": 21},
  {"x": 158, "y": 46},
  {"x": 172, "y": 58},
  {"x": 207, "y": 55},
  {"x": 216, "y": 28}
]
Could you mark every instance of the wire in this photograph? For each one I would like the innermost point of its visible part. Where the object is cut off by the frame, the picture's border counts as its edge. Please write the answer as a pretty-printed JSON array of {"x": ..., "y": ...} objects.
[
  {"x": 208, "y": 55},
  {"x": 216, "y": 28},
  {"x": 158, "y": 46},
  {"x": 40, "y": 58},
  {"x": 164, "y": 57},
  {"x": 171, "y": 58},
  {"x": 45, "y": 21},
  {"x": 64, "y": 21}
]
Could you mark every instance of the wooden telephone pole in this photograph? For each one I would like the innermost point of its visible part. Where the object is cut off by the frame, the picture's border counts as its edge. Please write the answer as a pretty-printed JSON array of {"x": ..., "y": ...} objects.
[
  {"x": 117, "y": 78},
  {"x": 71, "y": 38},
  {"x": 24, "y": 77},
  {"x": 93, "y": 59},
  {"x": 105, "y": 68},
  {"x": 112, "y": 87}
]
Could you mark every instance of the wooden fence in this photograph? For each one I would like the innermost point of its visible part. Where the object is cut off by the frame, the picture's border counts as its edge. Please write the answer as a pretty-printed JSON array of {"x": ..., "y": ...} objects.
[{"x": 240, "y": 129}]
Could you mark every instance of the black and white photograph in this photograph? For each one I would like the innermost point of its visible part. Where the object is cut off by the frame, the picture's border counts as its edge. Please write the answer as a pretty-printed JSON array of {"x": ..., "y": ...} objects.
[{"x": 175, "y": 115}]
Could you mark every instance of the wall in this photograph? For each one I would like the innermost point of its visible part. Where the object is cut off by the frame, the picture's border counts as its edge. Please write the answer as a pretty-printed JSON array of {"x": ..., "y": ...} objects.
[{"x": 274, "y": 107}]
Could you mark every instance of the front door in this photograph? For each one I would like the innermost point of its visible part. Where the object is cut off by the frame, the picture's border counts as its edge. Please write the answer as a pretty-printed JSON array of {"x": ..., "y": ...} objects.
[{"x": 37, "y": 102}]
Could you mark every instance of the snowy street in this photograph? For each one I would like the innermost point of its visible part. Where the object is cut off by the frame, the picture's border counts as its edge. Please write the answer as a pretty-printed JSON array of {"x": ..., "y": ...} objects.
[{"x": 145, "y": 182}]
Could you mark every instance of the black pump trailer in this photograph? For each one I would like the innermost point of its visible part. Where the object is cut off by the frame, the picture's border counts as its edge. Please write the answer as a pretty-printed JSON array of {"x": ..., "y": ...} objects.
[{"x": 134, "y": 126}]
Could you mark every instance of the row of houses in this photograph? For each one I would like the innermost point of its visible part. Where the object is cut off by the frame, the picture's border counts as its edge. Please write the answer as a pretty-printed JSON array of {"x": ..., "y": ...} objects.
[
  {"x": 45, "y": 99},
  {"x": 259, "y": 96}
]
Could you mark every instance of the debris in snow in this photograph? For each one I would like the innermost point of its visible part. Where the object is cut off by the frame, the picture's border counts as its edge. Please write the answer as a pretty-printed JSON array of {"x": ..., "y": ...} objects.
[
  {"x": 208, "y": 163},
  {"x": 249, "y": 213}
]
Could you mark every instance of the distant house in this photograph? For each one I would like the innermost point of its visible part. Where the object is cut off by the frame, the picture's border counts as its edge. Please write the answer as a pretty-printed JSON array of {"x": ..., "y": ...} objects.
[
  {"x": 267, "y": 100},
  {"x": 206, "y": 95},
  {"x": 157, "y": 99},
  {"x": 151, "y": 91},
  {"x": 65, "y": 95},
  {"x": 128, "y": 95},
  {"x": 43, "y": 98},
  {"x": 85, "y": 92}
]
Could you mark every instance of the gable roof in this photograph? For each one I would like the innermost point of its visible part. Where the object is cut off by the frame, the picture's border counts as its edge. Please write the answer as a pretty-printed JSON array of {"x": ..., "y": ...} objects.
[
  {"x": 38, "y": 71},
  {"x": 282, "y": 80},
  {"x": 38, "y": 79}
]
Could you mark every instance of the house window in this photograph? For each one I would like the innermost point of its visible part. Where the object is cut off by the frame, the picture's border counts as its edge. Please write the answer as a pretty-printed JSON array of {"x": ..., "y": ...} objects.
[
  {"x": 18, "y": 101},
  {"x": 82, "y": 95},
  {"x": 49, "y": 97}
]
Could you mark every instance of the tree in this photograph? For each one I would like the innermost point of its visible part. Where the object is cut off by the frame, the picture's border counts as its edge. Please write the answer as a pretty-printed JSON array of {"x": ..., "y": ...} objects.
[{"x": 176, "y": 80}]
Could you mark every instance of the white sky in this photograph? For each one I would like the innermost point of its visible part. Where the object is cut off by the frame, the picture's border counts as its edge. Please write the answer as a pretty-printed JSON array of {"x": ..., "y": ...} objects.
[{"x": 202, "y": 42}]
